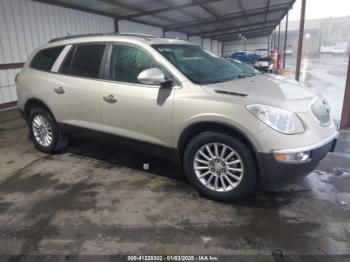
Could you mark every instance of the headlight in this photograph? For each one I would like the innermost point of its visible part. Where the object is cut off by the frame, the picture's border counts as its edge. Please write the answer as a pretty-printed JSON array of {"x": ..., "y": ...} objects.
[{"x": 279, "y": 119}]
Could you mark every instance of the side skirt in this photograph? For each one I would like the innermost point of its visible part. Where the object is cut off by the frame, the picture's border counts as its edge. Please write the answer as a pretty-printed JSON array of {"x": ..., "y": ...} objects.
[{"x": 121, "y": 142}]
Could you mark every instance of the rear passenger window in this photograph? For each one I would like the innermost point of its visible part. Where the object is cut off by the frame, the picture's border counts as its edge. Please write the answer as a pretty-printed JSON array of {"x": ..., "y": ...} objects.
[
  {"x": 84, "y": 61},
  {"x": 45, "y": 59}
]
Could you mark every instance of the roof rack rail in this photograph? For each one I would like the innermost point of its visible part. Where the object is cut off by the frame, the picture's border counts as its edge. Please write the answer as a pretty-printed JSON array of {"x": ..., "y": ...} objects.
[{"x": 143, "y": 36}]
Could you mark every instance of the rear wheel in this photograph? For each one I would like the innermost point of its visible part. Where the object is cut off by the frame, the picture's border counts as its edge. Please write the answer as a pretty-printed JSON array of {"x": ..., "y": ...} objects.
[
  {"x": 44, "y": 131},
  {"x": 220, "y": 166}
]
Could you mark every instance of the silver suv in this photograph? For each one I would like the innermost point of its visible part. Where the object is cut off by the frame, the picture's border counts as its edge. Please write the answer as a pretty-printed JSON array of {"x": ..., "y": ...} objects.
[{"x": 230, "y": 130}]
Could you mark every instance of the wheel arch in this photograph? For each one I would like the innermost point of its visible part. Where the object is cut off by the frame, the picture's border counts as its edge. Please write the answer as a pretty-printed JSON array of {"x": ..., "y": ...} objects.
[
  {"x": 35, "y": 102},
  {"x": 200, "y": 127}
]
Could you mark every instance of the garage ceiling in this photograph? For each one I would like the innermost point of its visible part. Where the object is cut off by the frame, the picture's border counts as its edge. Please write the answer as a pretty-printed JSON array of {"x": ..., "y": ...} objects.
[{"x": 217, "y": 19}]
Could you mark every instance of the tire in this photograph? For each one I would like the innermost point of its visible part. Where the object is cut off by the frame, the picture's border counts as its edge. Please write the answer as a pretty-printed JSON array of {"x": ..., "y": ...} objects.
[
  {"x": 40, "y": 120},
  {"x": 240, "y": 163}
]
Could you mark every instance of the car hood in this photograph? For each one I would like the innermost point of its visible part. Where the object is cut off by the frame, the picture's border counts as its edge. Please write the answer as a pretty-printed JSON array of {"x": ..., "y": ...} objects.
[{"x": 266, "y": 89}]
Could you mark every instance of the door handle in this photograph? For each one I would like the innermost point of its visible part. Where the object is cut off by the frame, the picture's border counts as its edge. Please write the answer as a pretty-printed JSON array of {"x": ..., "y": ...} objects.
[
  {"x": 59, "y": 90},
  {"x": 110, "y": 99}
]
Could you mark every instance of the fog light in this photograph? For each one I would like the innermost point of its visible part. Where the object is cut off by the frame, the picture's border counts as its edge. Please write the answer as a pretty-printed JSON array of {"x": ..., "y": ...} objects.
[
  {"x": 301, "y": 156},
  {"x": 292, "y": 157}
]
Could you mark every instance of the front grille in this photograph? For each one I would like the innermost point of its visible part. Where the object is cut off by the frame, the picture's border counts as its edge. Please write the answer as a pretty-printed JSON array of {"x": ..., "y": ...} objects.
[{"x": 321, "y": 111}]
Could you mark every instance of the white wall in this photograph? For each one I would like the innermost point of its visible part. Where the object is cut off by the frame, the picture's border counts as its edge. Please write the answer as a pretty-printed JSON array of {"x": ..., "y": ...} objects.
[
  {"x": 132, "y": 27},
  {"x": 177, "y": 35},
  {"x": 196, "y": 39},
  {"x": 252, "y": 44},
  {"x": 26, "y": 25},
  {"x": 207, "y": 44},
  {"x": 216, "y": 44},
  {"x": 7, "y": 85},
  {"x": 215, "y": 47}
]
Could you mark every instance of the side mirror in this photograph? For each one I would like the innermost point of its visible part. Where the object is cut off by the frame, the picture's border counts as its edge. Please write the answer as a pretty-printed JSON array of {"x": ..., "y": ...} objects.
[{"x": 154, "y": 76}]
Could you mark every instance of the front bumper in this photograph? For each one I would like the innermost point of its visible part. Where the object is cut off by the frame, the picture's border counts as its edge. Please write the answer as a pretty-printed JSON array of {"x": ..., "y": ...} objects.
[{"x": 273, "y": 172}]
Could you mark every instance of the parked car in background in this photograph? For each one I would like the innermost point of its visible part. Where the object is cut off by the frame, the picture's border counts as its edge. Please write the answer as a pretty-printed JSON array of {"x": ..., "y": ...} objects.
[
  {"x": 264, "y": 64},
  {"x": 246, "y": 57},
  {"x": 289, "y": 50},
  {"x": 229, "y": 130}
]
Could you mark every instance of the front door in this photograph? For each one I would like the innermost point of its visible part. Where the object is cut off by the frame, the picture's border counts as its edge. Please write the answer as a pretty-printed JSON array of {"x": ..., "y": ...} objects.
[{"x": 131, "y": 109}]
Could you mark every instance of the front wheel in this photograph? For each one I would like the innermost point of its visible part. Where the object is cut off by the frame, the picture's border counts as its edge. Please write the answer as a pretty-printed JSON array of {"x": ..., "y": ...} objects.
[{"x": 220, "y": 167}]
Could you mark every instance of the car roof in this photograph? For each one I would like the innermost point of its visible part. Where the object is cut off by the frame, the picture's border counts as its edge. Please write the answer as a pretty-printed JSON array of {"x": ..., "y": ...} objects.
[{"x": 110, "y": 37}]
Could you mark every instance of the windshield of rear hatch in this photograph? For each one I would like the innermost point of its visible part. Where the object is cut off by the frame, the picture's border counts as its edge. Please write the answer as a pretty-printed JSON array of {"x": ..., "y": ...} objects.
[{"x": 200, "y": 66}]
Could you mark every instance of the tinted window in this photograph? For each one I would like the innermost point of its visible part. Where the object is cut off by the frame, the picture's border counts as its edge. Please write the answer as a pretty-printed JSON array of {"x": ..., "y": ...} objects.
[
  {"x": 86, "y": 60},
  {"x": 45, "y": 59},
  {"x": 128, "y": 62}
]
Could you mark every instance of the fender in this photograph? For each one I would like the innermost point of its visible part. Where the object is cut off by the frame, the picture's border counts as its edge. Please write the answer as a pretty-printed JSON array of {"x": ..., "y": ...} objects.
[{"x": 198, "y": 127}]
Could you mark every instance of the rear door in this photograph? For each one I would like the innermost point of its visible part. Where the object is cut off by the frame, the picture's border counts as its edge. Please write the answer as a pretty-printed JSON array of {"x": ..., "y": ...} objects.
[{"x": 77, "y": 86}]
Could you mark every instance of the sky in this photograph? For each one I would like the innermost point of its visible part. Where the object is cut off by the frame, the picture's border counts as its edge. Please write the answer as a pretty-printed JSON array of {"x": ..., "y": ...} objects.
[{"x": 321, "y": 9}]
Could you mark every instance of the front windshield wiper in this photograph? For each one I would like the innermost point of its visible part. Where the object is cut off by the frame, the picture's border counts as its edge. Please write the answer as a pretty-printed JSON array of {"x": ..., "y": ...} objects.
[
  {"x": 244, "y": 75},
  {"x": 218, "y": 81},
  {"x": 226, "y": 79}
]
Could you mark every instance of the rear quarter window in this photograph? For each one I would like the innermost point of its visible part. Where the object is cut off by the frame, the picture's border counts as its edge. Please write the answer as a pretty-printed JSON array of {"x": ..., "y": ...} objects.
[{"x": 45, "y": 58}]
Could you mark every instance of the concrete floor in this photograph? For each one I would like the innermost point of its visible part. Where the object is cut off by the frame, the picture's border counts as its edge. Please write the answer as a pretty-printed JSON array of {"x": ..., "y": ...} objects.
[{"x": 94, "y": 199}]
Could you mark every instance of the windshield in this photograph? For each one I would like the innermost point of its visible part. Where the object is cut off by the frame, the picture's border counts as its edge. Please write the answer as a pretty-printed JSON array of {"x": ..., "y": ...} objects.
[
  {"x": 200, "y": 66},
  {"x": 244, "y": 67}
]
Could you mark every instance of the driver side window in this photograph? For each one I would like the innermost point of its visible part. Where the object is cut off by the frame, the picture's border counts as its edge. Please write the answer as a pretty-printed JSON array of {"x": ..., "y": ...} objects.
[{"x": 127, "y": 62}]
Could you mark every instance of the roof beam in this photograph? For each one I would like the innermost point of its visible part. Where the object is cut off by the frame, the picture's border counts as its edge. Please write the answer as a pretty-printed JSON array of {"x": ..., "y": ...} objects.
[
  {"x": 92, "y": 11},
  {"x": 258, "y": 34},
  {"x": 141, "y": 12},
  {"x": 75, "y": 7},
  {"x": 276, "y": 21},
  {"x": 243, "y": 11},
  {"x": 246, "y": 35},
  {"x": 267, "y": 11},
  {"x": 236, "y": 15},
  {"x": 208, "y": 10},
  {"x": 251, "y": 35},
  {"x": 204, "y": 33},
  {"x": 136, "y": 9},
  {"x": 242, "y": 32},
  {"x": 180, "y": 10}
]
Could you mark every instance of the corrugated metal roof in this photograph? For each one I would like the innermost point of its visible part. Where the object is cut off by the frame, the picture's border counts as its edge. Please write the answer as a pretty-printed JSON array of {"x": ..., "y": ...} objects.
[{"x": 216, "y": 19}]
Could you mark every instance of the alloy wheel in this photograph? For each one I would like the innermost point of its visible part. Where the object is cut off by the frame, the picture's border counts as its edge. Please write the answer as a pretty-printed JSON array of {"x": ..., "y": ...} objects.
[
  {"x": 218, "y": 167},
  {"x": 42, "y": 130}
]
